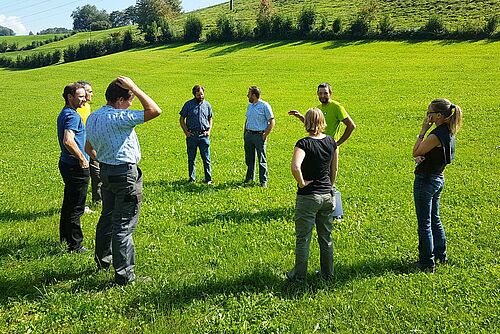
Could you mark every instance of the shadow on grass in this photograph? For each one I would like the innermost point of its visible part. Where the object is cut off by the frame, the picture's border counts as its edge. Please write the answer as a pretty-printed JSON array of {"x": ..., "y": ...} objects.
[
  {"x": 243, "y": 217},
  {"x": 10, "y": 215},
  {"x": 263, "y": 280}
]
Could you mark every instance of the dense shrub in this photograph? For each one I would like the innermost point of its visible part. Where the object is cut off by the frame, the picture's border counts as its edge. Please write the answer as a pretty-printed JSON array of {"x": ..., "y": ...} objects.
[
  {"x": 434, "y": 26},
  {"x": 151, "y": 32},
  {"x": 337, "y": 26},
  {"x": 386, "y": 26},
  {"x": 69, "y": 54},
  {"x": 100, "y": 25},
  {"x": 305, "y": 21},
  {"x": 193, "y": 28},
  {"x": 32, "y": 60},
  {"x": 360, "y": 26},
  {"x": 128, "y": 40},
  {"x": 491, "y": 25},
  {"x": 263, "y": 26},
  {"x": 224, "y": 31},
  {"x": 281, "y": 27},
  {"x": 243, "y": 31},
  {"x": 165, "y": 31}
]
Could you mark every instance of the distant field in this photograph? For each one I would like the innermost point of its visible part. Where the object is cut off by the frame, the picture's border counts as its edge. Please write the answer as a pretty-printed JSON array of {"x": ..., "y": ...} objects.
[
  {"x": 218, "y": 254},
  {"x": 72, "y": 40},
  {"x": 404, "y": 13},
  {"x": 26, "y": 40}
]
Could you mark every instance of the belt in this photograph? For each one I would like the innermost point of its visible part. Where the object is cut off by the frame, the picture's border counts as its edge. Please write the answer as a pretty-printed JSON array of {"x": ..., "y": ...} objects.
[
  {"x": 254, "y": 132},
  {"x": 197, "y": 133}
]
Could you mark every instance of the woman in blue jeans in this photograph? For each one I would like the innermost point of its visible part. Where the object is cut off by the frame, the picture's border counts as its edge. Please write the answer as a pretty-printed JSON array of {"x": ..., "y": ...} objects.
[
  {"x": 432, "y": 154},
  {"x": 314, "y": 165}
]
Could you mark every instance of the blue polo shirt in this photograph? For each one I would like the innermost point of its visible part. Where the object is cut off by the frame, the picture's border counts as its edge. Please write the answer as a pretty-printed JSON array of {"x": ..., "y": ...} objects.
[
  {"x": 69, "y": 119},
  {"x": 197, "y": 115},
  {"x": 111, "y": 133},
  {"x": 258, "y": 115}
]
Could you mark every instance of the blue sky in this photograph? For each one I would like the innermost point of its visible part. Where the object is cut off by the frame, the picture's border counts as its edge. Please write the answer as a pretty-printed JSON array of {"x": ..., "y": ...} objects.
[{"x": 35, "y": 15}]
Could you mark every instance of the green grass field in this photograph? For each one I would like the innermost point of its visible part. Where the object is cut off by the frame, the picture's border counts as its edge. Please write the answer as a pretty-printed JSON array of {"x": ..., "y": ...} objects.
[
  {"x": 217, "y": 255},
  {"x": 26, "y": 40}
]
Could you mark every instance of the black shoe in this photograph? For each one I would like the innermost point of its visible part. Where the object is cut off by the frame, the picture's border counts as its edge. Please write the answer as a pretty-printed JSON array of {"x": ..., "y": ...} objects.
[
  {"x": 443, "y": 260},
  {"x": 79, "y": 250},
  {"x": 263, "y": 184},
  {"x": 320, "y": 275},
  {"x": 425, "y": 269}
]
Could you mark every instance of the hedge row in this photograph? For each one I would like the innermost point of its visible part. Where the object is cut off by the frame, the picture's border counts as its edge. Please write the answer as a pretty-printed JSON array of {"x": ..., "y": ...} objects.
[{"x": 14, "y": 46}]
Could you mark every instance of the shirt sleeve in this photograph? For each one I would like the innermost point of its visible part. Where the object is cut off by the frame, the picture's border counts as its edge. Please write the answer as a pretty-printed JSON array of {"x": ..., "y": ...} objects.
[
  {"x": 131, "y": 118},
  {"x": 184, "y": 110},
  {"x": 72, "y": 121},
  {"x": 269, "y": 111},
  {"x": 210, "y": 114},
  {"x": 341, "y": 113},
  {"x": 301, "y": 143}
]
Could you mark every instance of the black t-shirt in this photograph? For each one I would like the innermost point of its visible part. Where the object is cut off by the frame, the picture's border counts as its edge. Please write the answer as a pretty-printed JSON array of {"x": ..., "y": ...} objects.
[
  {"x": 437, "y": 158},
  {"x": 316, "y": 164}
]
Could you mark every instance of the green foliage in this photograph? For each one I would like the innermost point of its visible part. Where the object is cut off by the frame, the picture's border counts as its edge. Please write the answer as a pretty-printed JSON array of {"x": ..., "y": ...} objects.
[
  {"x": 337, "y": 26},
  {"x": 89, "y": 17},
  {"x": 166, "y": 33},
  {"x": 305, "y": 21},
  {"x": 434, "y": 25},
  {"x": 193, "y": 28},
  {"x": 386, "y": 26},
  {"x": 152, "y": 32},
  {"x": 50, "y": 31},
  {"x": 491, "y": 25},
  {"x": 4, "y": 31},
  {"x": 224, "y": 31},
  {"x": 281, "y": 27},
  {"x": 148, "y": 11}
]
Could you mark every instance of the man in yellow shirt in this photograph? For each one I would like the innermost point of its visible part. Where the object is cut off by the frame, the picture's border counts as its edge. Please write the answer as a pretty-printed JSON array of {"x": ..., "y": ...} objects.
[
  {"x": 95, "y": 178},
  {"x": 334, "y": 114}
]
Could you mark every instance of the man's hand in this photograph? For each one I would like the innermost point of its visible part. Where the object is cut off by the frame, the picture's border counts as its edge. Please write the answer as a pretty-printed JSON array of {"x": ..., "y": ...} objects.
[
  {"x": 84, "y": 163},
  {"x": 126, "y": 83}
]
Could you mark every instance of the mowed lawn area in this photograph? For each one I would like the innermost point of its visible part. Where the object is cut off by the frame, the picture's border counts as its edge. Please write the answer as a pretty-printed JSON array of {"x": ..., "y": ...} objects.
[{"x": 217, "y": 254}]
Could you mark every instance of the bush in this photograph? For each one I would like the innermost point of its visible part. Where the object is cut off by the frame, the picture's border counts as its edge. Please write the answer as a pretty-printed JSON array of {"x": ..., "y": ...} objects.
[
  {"x": 491, "y": 25},
  {"x": 337, "y": 26},
  {"x": 225, "y": 29},
  {"x": 166, "y": 33},
  {"x": 193, "y": 28},
  {"x": 100, "y": 25},
  {"x": 360, "y": 26},
  {"x": 264, "y": 25},
  {"x": 152, "y": 32},
  {"x": 69, "y": 54},
  {"x": 243, "y": 30},
  {"x": 281, "y": 27},
  {"x": 305, "y": 21},
  {"x": 434, "y": 26},
  {"x": 128, "y": 40},
  {"x": 385, "y": 26}
]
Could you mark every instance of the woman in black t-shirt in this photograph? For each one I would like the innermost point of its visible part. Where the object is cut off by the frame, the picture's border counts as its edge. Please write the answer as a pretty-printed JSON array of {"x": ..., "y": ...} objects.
[
  {"x": 432, "y": 155},
  {"x": 314, "y": 167}
]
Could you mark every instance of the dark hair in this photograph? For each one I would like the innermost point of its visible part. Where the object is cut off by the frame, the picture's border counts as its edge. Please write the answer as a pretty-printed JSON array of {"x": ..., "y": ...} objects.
[
  {"x": 84, "y": 83},
  {"x": 197, "y": 88},
  {"x": 70, "y": 89},
  {"x": 325, "y": 85},
  {"x": 254, "y": 90},
  {"x": 114, "y": 92}
]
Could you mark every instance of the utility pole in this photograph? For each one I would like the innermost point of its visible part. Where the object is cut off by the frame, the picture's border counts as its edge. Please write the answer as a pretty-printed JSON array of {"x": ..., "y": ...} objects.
[{"x": 230, "y": 5}]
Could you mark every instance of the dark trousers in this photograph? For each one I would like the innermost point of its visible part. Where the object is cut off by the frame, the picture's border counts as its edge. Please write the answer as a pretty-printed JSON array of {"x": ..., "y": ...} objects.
[
  {"x": 95, "y": 180},
  {"x": 254, "y": 143},
  {"x": 121, "y": 201},
  {"x": 192, "y": 143},
  {"x": 76, "y": 181}
]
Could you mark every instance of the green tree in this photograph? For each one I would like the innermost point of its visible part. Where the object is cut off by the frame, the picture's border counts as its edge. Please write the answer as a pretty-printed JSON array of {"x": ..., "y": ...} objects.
[
  {"x": 148, "y": 11},
  {"x": 4, "y": 31},
  {"x": 84, "y": 17}
]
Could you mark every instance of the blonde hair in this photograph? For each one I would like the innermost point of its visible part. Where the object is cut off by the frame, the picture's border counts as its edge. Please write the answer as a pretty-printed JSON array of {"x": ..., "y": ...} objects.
[
  {"x": 314, "y": 121},
  {"x": 452, "y": 113}
]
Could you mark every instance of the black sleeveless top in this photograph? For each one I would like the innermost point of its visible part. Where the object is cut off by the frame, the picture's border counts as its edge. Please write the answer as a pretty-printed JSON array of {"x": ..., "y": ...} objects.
[
  {"x": 316, "y": 164},
  {"x": 437, "y": 158}
]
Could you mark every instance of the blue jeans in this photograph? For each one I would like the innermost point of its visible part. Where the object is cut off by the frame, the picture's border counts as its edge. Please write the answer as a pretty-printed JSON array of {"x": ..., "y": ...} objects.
[
  {"x": 121, "y": 202},
  {"x": 255, "y": 143},
  {"x": 192, "y": 143},
  {"x": 431, "y": 238},
  {"x": 313, "y": 210}
]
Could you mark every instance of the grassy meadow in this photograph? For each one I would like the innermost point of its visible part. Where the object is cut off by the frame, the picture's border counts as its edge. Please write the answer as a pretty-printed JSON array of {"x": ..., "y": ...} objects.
[{"x": 217, "y": 254}]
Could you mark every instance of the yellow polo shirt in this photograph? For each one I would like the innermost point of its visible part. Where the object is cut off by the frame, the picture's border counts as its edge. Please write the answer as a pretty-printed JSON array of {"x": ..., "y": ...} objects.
[{"x": 84, "y": 112}]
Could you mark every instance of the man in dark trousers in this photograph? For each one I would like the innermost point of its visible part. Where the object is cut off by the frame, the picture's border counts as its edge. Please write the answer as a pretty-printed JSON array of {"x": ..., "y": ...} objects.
[
  {"x": 113, "y": 142},
  {"x": 196, "y": 121},
  {"x": 73, "y": 166}
]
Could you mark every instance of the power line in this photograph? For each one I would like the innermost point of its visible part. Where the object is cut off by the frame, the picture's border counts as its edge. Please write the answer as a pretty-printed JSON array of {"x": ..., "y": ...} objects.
[
  {"x": 50, "y": 9},
  {"x": 22, "y": 8}
]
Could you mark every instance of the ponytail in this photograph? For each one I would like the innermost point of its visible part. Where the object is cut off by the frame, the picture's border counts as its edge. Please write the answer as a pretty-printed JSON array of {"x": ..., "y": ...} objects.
[{"x": 455, "y": 120}]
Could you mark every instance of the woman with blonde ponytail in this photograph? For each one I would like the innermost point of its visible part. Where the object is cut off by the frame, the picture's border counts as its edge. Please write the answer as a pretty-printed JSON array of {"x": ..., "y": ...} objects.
[{"x": 432, "y": 154}]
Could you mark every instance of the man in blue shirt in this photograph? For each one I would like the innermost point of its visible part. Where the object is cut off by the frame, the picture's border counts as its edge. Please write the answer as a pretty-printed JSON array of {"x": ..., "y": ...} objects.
[
  {"x": 196, "y": 122},
  {"x": 113, "y": 142},
  {"x": 73, "y": 166},
  {"x": 259, "y": 124}
]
